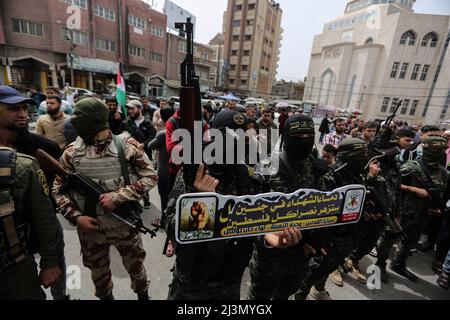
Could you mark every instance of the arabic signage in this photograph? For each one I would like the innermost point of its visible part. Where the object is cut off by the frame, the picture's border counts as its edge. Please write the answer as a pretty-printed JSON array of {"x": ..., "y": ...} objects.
[
  {"x": 202, "y": 217},
  {"x": 94, "y": 65}
]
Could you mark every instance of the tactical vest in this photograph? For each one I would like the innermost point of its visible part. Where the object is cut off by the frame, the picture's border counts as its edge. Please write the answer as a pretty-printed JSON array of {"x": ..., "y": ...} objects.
[
  {"x": 13, "y": 227},
  {"x": 105, "y": 170}
]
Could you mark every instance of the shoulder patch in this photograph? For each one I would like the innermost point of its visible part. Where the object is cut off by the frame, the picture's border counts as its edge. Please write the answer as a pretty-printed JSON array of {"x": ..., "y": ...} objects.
[{"x": 43, "y": 182}]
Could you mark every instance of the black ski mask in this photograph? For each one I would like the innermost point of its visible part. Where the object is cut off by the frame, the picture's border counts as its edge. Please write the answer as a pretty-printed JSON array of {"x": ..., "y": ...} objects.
[
  {"x": 353, "y": 152},
  {"x": 299, "y": 137},
  {"x": 434, "y": 151}
]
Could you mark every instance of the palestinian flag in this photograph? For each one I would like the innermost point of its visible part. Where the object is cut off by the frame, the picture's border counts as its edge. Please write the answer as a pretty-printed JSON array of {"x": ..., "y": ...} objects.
[{"x": 121, "y": 94}]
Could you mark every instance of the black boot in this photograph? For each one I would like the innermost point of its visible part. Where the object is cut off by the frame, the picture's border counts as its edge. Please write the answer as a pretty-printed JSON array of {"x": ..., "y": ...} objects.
[
  {"x": 143, "y": 296},
  {"x": 401, "y": 270}
]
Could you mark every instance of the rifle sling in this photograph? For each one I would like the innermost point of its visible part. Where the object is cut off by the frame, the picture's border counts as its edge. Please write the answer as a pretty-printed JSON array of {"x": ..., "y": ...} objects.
[{"x": 123, "y": 161}]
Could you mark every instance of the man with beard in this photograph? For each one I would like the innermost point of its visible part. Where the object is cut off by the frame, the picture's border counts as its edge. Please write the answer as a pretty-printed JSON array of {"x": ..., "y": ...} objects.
[
  {"x": 213, "y": 271},
  {"x": 24, "y": 204},
  {"x": 335, "y": 138},
  {"x": 140, "y": 129},
  {"x": 338, "y": 241},
  {"x": 120, "y": 165},
  {"x": 51, "y": 125},
  {"x": 115, "y": 117},
  {"x": 425, "y": 173},
  {"x": 277, "y": 273},
  {"x": 265, "y": 127}
]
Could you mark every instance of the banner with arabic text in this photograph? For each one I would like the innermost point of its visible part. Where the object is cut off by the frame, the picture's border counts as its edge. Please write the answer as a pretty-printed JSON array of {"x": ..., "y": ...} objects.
[{"x": 204, "y": 217}]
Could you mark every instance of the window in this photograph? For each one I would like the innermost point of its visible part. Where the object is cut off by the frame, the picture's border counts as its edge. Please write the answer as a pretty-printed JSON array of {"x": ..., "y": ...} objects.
[
  {"x": 182, "y": 47},
  {"x": 136, "y": 51},
  {"x": 205, "y": 56},
  {"x": 413, "y": 110},
  {"x": 250, "y": 22},
  {"x": 424, "y": 74},
  {"x": 235, "y": 38},
  {"x": 395, "y": 69},
  {"x": 415, "y": 71},
  {"x": 244, "y": 81},
  {"x": 232, "y": 81},
  {"x": 234, "y": 52},
  {"x": 408, "y": 37},
  {"x": 405, "y": 106},
  {"x": 244, "y": 68},
  {"x": 393, "y": 105},
  {"x": 27, "y": 27},
  {"x": 405, "y": 67},
  {"x": 369, "y": 41},
  {"x": 154, "y": 56},
  {"x": 248, "y": 37},
  {"x": 385, "y": 104},
  {"x": 78, "y": 37},
  {"x": 251, "y": 6},
  {"x": 157, "y": 31},
  {"x": 104, "y": 13},
  {"x": 106, "y": 45},
  {"x": 239, "y": 7},
  {"x": 246, "y": 53},
  {"x": 430, "y": 38},
  {"x": 233, "y": 67},
  {"x": 137, "y": 22},
  {"x": 78, "y": 3},
  {"x": 236, "y": 23}
]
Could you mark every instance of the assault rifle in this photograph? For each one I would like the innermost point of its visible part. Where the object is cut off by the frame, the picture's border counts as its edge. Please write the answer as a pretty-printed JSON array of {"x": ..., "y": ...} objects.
[
  {"x": 374, "y": 205},
  {"x": 128, "y": 213},
  {"x": 190, "y": 97}
]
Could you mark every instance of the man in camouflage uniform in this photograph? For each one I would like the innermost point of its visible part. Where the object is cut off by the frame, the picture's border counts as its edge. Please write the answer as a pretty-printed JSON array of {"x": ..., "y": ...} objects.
[
  {"x": 24, "y": 206},
  {"x": 98, "y": 155},
  {"x": 415, "y": 210},
  {"x": 213, "y": 270},
  {"x": 337, "y": 241},
  {"x": 277, "y": 273}
]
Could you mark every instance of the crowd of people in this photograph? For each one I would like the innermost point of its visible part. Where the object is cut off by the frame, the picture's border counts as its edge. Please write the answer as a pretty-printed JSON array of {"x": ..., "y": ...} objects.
[{"x": 128, "y": 152}]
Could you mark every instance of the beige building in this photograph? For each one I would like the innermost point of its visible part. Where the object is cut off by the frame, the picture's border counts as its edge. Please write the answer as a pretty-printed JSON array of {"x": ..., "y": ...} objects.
[
  {"x": 379, "y": 53},
  {"x": 253, "y": 37}
]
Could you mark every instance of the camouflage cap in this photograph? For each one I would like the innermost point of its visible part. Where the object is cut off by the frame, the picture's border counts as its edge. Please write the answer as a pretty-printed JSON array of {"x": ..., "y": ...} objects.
[{"x": 435, "y": 143}]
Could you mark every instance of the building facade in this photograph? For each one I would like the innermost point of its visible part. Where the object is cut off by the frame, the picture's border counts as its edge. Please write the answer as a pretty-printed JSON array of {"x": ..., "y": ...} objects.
[
  {"x": 285, "y": 90},
  {"x": 378, "y": 54},
  {"x": 253, "y": 37},
  {"x": 38, "y": 37}
]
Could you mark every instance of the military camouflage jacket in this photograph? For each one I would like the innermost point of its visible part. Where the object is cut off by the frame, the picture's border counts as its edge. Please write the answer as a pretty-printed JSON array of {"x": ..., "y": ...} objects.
[{"x": 138, "y": 164}]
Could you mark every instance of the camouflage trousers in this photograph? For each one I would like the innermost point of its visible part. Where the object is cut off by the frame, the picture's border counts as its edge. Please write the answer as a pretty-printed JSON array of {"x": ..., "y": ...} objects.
[
  {"x": 276, "y": 274},
  {"x": 196, "y": 289},
  {"x": 95, "y": 251}
]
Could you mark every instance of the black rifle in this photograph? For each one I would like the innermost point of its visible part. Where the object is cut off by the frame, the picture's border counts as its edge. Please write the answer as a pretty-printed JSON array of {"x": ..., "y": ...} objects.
[
  {"x": 128, "y": 212},
  {"x": 190, "y": 97},
  {"x": 374, "y": 205}
]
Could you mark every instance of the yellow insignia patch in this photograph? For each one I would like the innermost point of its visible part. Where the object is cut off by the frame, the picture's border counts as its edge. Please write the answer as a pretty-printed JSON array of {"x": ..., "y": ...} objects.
[{"x": 43, "y": 182}]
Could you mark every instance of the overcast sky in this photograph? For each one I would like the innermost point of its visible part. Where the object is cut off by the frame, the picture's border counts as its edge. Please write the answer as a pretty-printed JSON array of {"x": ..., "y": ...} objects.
[{"x": 301, "y": 21}]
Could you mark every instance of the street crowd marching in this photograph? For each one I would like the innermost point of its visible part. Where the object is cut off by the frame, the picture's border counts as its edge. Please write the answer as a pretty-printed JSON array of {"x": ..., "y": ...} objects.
[{"x": 129, "y": 151}]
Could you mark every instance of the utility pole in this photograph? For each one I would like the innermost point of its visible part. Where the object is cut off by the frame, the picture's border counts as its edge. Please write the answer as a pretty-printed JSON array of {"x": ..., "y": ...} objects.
[{"x": 69, "y": 37}]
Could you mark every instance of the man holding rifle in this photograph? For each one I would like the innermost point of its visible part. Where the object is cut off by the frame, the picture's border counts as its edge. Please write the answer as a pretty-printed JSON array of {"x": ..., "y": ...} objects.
[{"x": 120, "y": 165}]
